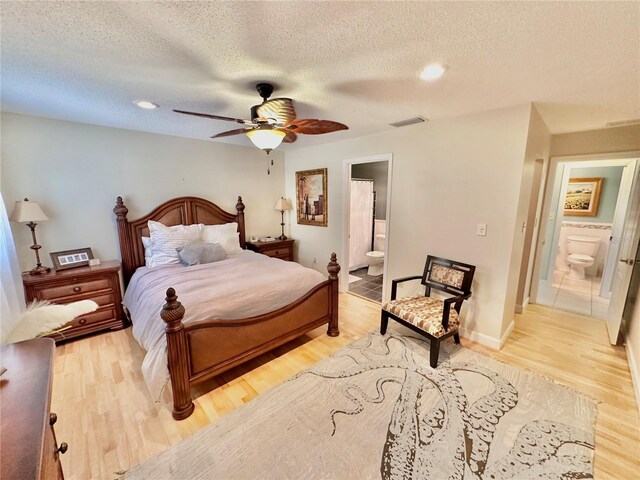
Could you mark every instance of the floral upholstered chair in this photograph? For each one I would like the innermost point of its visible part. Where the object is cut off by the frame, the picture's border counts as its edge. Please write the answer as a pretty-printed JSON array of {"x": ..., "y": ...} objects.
[{"x": 432, "y": 317}]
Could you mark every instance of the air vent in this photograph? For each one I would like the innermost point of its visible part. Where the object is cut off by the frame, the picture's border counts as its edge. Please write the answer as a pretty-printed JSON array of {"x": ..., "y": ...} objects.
[
  {"x": 409, "y": 121},
  {"x": 623, "y": 123}
]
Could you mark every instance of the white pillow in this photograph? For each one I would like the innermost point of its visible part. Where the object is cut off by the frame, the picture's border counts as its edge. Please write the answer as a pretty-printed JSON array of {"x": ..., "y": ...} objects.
[
  {"x": 165, "y": 240},
  {"x": 148, "y": 253},
  {"x": 226, "y": 235}
]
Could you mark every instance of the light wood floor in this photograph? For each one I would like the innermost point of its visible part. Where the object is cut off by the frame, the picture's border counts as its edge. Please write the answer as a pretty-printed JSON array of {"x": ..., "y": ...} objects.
[{"x": 110, "y": 423}]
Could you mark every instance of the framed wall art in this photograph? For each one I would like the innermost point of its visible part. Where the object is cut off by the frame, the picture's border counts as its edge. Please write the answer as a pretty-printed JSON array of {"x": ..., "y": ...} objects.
[
  {"x": 71, "y": 258},
  {"x": 583, "y": 195},
  {"x": 311, "y": 197}
]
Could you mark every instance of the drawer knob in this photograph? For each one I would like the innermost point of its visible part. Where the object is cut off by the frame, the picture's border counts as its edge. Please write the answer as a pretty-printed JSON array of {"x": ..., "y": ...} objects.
[
  {"x": 53, "y": 418},
  {"x": 82, "y": 321},
  {"x": 63, "y": 448},
  {"x": 76, "y": 289}
]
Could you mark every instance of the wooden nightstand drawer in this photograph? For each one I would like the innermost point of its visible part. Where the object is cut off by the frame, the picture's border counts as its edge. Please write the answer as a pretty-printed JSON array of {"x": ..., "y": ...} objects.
[
  {"x": 282, "y": 249},
  {"x": 54, "y": 292},
  {"x": 275, "y": 252},
  {"x": 103, "y": 314}
]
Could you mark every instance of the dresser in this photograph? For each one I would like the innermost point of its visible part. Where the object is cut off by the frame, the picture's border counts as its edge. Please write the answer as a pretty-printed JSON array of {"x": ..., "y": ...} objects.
[
  {"x": 279, "y": 249},
  {"x": 100, "y": 284},
  {"x": 29, "y": 447}
]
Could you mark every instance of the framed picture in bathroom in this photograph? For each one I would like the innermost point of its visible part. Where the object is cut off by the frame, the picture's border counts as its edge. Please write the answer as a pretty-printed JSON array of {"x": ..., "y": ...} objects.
[
  {"x": 311, "y": 197},
  {"x": 583, "y": 195}
]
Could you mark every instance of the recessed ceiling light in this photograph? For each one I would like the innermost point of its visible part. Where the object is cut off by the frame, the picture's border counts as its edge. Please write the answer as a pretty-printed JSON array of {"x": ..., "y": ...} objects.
[
  {"x": 433, "y": 71},
  {"x": 146, "y": 104}
]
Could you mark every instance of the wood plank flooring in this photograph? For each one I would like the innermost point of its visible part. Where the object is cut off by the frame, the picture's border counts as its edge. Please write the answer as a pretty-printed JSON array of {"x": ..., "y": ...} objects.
[{"x": 111, "y": 424}]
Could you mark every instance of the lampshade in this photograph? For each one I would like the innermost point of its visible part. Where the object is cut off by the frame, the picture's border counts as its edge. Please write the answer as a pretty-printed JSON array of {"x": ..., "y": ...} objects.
[
  {"x": 266, "y": 138},
  {"x": 27, "y": 211},
  {"x": 283, "y": 204}
]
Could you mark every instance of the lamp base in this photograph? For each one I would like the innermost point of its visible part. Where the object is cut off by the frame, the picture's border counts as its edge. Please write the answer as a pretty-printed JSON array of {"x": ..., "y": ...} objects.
[
  {"x": 282, "y": 237},
  {"x": 39, "y": 269}
]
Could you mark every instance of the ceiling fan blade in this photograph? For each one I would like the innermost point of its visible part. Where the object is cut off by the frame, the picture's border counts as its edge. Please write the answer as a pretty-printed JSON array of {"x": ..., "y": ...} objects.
[
  {"x": 315, "y": 127},
  {"x": 280, "y": 109},
  {"x": 289, "y": 137},
  {"x": 237, "y": 131},
  {"x": 215, "y": 117}
]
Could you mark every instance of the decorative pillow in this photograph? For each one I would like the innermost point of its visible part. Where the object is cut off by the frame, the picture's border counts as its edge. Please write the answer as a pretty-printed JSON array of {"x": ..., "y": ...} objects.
[
  {"x": 146, "y": 243},
  {"x": 225, "y": 235},
  {"x": 200, "y": 253},
  {"x": 165, "y": 240}
]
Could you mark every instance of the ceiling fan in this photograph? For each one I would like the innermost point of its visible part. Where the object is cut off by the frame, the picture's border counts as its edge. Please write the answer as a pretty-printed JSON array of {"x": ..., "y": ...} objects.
[{"x": 273, "y": 122}]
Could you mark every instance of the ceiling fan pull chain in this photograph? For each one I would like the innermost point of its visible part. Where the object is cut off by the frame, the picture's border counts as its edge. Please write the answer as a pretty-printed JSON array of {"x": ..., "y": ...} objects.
[{"x": 268, "y": 169}]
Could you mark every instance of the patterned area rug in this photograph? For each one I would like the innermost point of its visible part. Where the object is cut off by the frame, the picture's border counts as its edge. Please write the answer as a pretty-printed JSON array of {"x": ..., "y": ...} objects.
[{"x": 375, "y": 409}]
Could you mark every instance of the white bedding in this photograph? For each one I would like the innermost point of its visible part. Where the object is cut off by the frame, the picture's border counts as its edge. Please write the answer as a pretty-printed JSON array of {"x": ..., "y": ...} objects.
[{"x": 244, "y": 285}]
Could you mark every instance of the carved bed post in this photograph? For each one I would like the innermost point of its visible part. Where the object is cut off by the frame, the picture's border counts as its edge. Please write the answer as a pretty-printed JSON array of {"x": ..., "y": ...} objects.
[
  {"x": 333, "y": 268},
  {"x": 240, "y": 210},
  {"x": 124, "y": 236},
  {"x": 178, "y": 356}
]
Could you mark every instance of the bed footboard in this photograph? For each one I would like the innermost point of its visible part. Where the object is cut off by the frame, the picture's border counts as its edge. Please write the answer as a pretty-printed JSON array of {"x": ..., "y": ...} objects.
[{"x": 189, "y": 351}]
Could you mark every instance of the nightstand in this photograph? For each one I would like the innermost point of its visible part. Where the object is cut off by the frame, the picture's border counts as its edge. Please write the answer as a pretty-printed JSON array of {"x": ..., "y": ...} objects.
[
  {"x": 100, "y": 284},
  {"x": 279, "y": 249}
]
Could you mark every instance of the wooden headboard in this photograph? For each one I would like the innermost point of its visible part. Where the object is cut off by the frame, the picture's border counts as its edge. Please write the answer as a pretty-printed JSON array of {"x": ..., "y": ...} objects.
[{"x": 178, "y": 211}]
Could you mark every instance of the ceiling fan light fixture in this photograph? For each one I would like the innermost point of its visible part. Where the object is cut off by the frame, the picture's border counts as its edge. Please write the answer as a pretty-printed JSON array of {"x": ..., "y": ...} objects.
[
  {"x": 266, "y": 138},
  {"x": 433, "y": 71}
]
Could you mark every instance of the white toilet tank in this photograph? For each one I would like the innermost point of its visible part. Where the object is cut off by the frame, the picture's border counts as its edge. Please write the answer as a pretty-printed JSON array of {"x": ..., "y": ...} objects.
[
  {"x": 583, "y": 245},
  {"x": 380, "y": 230}
]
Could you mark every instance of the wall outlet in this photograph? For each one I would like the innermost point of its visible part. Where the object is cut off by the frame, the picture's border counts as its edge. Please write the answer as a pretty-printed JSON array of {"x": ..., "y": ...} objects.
[{"x": 482, "y": 230}]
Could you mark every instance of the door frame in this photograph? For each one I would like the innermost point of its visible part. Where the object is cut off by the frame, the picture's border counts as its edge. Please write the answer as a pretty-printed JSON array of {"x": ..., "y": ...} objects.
[
  {"x": 346, "y": 214},
  {"x": 614, "y": 159}
]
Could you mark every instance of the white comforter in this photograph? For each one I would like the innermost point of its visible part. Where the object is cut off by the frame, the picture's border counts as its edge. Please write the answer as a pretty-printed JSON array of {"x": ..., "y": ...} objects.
[{"x": 242, "y": 286}]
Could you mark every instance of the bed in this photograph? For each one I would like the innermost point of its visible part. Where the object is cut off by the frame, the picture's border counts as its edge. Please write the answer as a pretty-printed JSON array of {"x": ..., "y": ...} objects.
[{"x": 200, "y": 346}]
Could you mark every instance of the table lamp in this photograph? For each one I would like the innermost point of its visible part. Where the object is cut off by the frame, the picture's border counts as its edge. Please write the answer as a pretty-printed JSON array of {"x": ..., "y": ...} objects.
[
  {"x": 31, "y": 212},
  {"x": 282, "y": 204}
]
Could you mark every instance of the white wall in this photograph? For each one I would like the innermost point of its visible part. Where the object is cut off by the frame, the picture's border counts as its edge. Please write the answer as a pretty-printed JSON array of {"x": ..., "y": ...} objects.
[
  {"x": 606, "y": 140},
  {"x": 76, "y": 171},
  {"x": 448, "y": 176},
  {"x": 538, "y": 144}
]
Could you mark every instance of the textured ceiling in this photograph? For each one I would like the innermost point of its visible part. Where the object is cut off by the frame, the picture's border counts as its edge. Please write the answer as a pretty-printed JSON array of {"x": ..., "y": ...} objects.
[{"x": 353, "y": 62}]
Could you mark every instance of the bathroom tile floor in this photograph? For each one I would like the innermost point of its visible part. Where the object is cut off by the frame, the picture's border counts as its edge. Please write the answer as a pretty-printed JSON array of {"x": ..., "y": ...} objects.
[
  {"x": 579, "y": 296},
  {"x": 367, "y": 286}
]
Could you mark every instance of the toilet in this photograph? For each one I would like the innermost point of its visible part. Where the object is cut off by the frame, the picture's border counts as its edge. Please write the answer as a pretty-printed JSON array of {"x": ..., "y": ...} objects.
[
  {"x": 582, "y": 251},
  {"x": 375, "y": 258}
]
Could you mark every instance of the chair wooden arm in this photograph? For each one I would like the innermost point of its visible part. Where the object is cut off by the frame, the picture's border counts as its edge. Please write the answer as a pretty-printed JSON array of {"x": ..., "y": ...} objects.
[
  {"x": 394, "y": 284},
  {"x": 447, "y": 307}
]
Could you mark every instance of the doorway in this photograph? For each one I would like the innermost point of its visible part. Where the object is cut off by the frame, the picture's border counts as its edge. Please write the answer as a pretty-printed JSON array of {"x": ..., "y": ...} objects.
[
  {"x": 368, "y": 193},
  {"x": 589, "y": 202}
]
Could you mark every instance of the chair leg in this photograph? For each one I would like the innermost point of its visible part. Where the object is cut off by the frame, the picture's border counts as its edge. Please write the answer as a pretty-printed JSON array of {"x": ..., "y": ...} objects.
[
  {"x": 434, "y": 351},
  {"x": 456, "y": 337},
  {"x": 384, "y": 322}
]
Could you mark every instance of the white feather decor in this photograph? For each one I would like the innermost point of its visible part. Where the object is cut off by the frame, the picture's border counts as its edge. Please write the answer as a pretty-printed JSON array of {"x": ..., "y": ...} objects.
[{"x": 42, "y": 317}]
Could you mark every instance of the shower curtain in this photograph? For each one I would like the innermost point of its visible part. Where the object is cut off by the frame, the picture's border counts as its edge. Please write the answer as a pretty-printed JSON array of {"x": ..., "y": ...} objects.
[{"x": 361, "y": 223}]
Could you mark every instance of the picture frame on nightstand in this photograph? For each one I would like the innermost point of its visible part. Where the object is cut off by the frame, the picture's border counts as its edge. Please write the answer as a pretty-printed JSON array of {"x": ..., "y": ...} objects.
[{"x": 65, "y": 259}]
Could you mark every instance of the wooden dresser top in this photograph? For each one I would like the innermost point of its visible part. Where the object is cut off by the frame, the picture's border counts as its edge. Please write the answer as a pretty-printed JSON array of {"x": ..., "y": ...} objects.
[{"x": 25, "y": 390}]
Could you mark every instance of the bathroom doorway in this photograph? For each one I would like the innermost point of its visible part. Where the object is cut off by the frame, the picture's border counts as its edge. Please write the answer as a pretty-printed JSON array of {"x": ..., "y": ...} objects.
[
  {"x": 367, "y": 192},
  {"x": 589, "y": 201}
]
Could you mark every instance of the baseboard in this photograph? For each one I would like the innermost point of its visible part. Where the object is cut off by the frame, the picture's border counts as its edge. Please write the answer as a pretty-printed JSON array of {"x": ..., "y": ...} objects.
[
  {"x": 481, "y": 338},
  {"x": 510, "y": 328},
  {"x": 523, "y": 307},
  {"x": 635, "y": 373},
  {"x": 486, "y": 340}
]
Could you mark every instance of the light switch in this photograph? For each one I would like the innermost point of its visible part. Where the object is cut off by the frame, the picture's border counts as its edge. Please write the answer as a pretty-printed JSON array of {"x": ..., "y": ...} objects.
[{"x": 482, "y": 230}]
